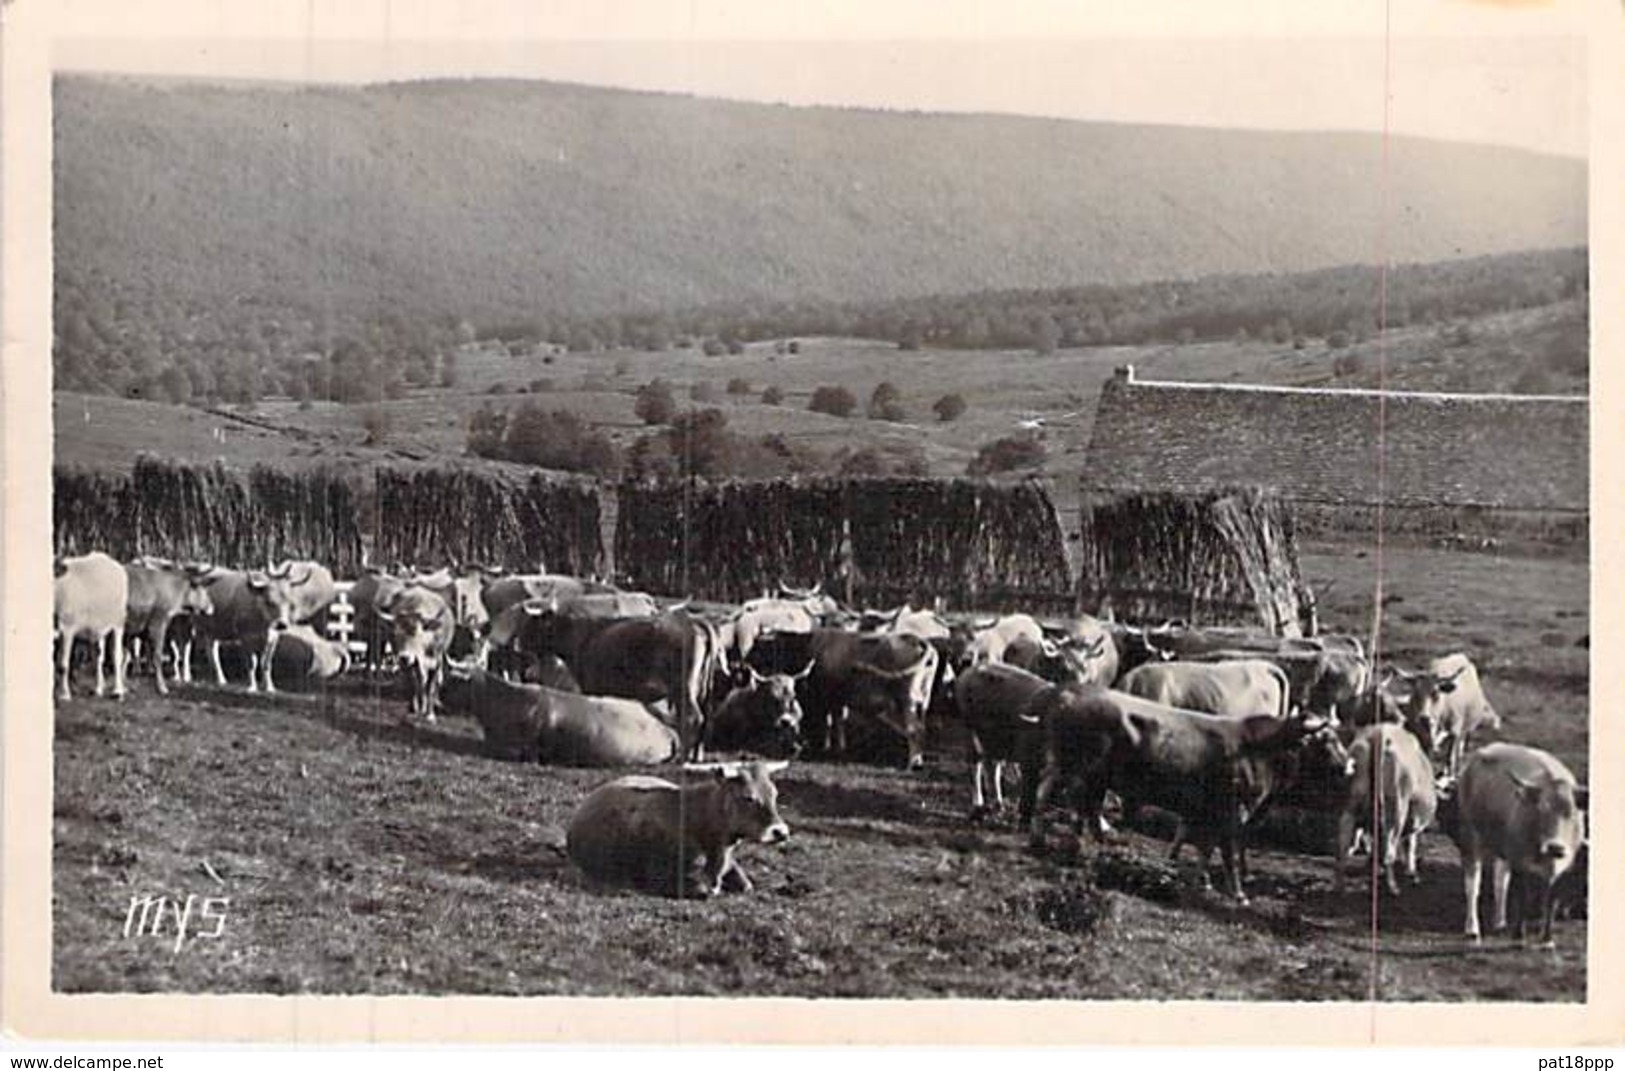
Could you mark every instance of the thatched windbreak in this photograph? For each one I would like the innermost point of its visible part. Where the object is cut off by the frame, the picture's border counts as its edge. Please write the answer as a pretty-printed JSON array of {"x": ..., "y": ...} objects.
[
  {"x": 209, "y": 513},
  {"x": 431, "y": 516},
  {"x": 730, "y": 541},
  {"x": 1227, "y": 557},
  {"x": 872, "y": 542}
]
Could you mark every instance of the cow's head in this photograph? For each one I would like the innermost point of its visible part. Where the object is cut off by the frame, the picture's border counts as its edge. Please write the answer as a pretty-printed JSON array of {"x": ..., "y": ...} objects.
[
  {"x": 272, "y": 588},
  {"x": 1554, "y": 823},
  {"x": 421, "y": 627},
  {"x": 777, "y": 694},
  {"x": 898, "y": 698},
  {"x": 196, "y": 598},
  {"x": 751, "y": 802},
  {"x": 1423, "y": 697}
]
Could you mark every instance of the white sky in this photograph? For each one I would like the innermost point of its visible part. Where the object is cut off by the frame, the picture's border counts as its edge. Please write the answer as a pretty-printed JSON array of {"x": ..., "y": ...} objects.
[{"x": 1510, "y": 72}]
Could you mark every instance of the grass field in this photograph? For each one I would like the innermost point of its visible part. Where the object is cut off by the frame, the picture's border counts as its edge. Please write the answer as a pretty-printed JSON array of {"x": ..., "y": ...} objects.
[
  {"x": 361, "y": 855},
  {"x": 1001, "y": 388}
]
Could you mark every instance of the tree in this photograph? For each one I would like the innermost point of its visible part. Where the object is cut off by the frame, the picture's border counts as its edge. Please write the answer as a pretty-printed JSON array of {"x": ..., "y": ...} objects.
[
  {"x": 835, "y": 401},
  {"x": 886, "y": 404},
  {"x": 558, "y": 439},
  {"x": 655, "y": 404},
  {"x": 772, "y": 395},
  {"x": 1006, "y": 454},
  {"x": 377, "y": 423},
  {"x": 714, "y": 347},
  {"x": 738, "y": 385},
  {"x": 1046, "y": 335},
  {"x": 487, "y": 432},
  {"x": 949, "y": 407}
]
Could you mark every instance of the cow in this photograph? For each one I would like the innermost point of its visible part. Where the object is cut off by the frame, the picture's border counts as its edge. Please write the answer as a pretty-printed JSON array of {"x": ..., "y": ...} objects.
[
  {"x": 994, "y": 701},
  {"x": 1333, "y": 684},
  {"x": 251, "y": 610},
  {"x": 159, "y": 591},
  {"x": 534, "y": 723},
  {"x": 92, "y": 598},
  {"x": 521, "y": 633},
  {"x": 949, "y": 642},
  {"x": 651, "y": 834},
  {"x": 1518, "y": 808},
  {"x": 885, "y": 678},
  {"x": 376, "y": 588},
  {"x": 1392, "y": 790},
  {"x": 310, "y": 655},
  {"x": 1444, "y": 705},
  {"x": 1181, "y": 761},
  {"x": 421, "y": 627},
  {"x": 512, "y": 590},
  {"x": 464, "y": 591},
  {"x": 1236, "y": 689},
  {"x": 553, "y": 672},
  {"x": 990, "y": 639},
  {"x": 789, "y": 611},
  {"x": 676, "y": 657},
  {"x": 311, "y": 591},
  {"x": 763, "y": 716}
]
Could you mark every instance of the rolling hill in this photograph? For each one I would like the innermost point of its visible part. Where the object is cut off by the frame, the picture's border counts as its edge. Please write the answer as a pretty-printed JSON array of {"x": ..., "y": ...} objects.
[{"x": 488, "y": 199}]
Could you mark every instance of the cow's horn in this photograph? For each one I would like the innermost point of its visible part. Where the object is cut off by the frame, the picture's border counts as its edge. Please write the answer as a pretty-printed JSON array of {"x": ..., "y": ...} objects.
[
  {"x": 805, "y": 673},
  {"x": 774, "y": 767}
]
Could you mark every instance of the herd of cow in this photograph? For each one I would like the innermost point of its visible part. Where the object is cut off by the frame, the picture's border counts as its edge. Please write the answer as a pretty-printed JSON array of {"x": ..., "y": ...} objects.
[{"x": 1215, "y": 725}]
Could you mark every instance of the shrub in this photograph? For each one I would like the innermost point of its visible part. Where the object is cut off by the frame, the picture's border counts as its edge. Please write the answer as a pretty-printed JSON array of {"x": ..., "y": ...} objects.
[
  {"x": 949, "y": 407},
  {"x": 738, "y": 385},
  {"x": 497, "y": 388},
  {"x": 772, "y": 396},
  {"x": 735, "y": 347},
  {"x": 704, "y": 392},
  {"x": 835, "y": 401},
  {"x": 886, "y": 404},
  {"x": 714, "y": 347},
  {"x": 377, "y": 423},
  {"x": 558, "y": 439},
  {"x": 1005, "y": 455},
  {"x": 541, "y": 385},
  {"x": 1338, "y": 339},
  {"x": 655, "y": 404}
]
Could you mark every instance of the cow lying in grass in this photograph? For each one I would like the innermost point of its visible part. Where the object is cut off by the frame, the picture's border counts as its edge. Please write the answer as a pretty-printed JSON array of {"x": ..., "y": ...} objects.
[{"x": 653, "y": 835}]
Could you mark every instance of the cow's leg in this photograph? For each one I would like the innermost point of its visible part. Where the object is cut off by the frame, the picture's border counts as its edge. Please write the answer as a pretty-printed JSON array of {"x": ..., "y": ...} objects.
[
  {"x": 219, "y": 670},
  {"x": 253, "y": 670},
  {"x": 183, "y": 661},
  {"x": 118, "y": 663},
  {"x": 1472, "y": 876},
  {"x": 840, "y": 716},
  {"x": 978, "y": 803},
  {"x": 1548, "y": 907},
  {"x": 998, "y": 784},
  {"x": 101, "y": 656},
  {"x": 269, "y": 659},
  {"x": 157, "y": 634},
  {"x": 1345, "y": 841},
  {"x": 1413, "y": 843},
  {"x": 1041, "y": 793},
  {"x": 64, "y": 662},
  {"x": 1500, "y": 881}
]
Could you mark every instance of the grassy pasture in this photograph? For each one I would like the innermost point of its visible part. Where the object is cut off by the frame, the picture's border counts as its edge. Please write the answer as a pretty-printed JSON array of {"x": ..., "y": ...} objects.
[
  {"x": 365, "y": 856},
  {"x": 1001, "y": 387}
]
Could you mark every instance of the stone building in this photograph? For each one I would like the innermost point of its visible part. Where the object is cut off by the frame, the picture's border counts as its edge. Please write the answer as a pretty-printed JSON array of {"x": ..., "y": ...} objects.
[{"x": 1444, "y": 466}]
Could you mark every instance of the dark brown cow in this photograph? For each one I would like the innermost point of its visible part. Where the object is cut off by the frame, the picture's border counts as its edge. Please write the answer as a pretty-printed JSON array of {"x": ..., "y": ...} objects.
[
  {"x": 676, "y": 657},
  {"x": 995, "y": 702},
  {"x": 1181, "y": 761},
  {"x": 763, "y": 716},
  {"x": 674, "y": 840}
]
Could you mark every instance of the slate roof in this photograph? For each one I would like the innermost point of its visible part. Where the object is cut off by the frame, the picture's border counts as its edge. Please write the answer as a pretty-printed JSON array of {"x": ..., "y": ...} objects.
[{"x": 1350, "y": 447}]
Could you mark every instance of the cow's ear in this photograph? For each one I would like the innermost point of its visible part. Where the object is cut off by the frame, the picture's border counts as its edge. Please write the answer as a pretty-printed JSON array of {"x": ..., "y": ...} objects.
[
  {"x": 258, "y": 580},
  {"x": 1261, "y": 729},
  {"x": 1529, "y": 790},
  {"x": 1447, "y": 687},
  {"x": 1582, "y": 797}
]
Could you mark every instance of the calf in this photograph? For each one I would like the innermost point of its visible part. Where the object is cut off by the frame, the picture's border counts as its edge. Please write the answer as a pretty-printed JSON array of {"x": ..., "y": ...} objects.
[
  {"x": 92, "y": 597},
  {"x": 1392, "y": 789},
  {"x": 763, "y": 716},
  {"x": 1519, "y": 808},
  {"x": 160, "y": 591},
  {"x": 995, "y": 703},
  {"x": 532, "y": 723},
  {"x": 649, "y": 833}
]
